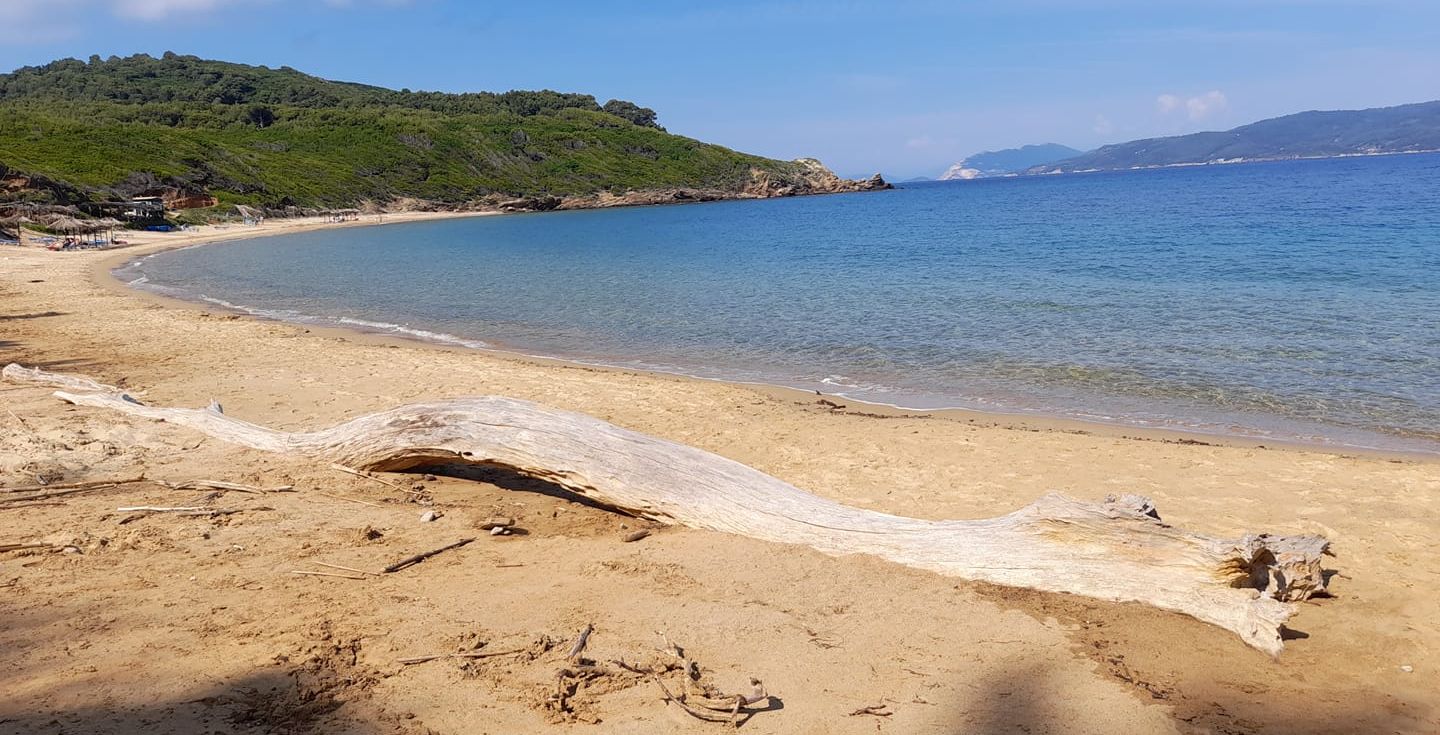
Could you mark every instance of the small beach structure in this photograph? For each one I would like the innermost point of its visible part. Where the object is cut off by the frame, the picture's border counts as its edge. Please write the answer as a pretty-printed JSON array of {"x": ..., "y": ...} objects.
[
  {"x": 145, "y": 208},
  {"x": 70, "y": 225},
  {"x": 17, "y": 222},
  {"x": 73, "y": 228}
]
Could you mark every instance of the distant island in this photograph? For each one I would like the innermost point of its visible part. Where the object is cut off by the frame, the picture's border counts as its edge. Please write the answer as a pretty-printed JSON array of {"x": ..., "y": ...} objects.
[
  {"x": 1402, "y": 129},
  {"x": 211, "y": 134},
  {"x": 1007, "y": 162}
]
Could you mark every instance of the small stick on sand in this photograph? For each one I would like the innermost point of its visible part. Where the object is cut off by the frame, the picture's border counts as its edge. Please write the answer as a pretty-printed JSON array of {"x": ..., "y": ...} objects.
[
  {"x": 877, "y": 710},
  {"x": 634, "y": 536},
  {"x": 580, "y": 643},
  {"x": 22, "y": 423},
  {"x": 368, "y": 476},
  {"x": 326, "y": 574},
  {"x": 77, "y": 486},
  {"x": 467, "y": 654},
  {"x": 20, "y": 547},
  {"x": 161, "y": 509},
  {"x": 187, "y": 510},
  {"x": 222, "y": 486},
  {"x": 692, "y": 711},
  {"x": 18, "y": 506},
  {"x": 348, "y": 569},
  {"x": 352, "y": 500},
  {"x": 416, "y": 559}
]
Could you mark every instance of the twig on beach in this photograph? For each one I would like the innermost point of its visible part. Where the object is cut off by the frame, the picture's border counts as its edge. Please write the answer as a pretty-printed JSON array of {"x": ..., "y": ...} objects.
[
  {"x": 348, "y": 569},
  {"x": 18, "y": 506},
  {"x": 352, "y": 500},
  {"x": 416, "y": 559},
  {"x": 714, "y": 709},
  {"x": 188, "y": 510},
  {"x": 877, "y": 710},
  {"x": 22, "y": 423},
  {"x": 325, "y": 574},
  {"x": 634, "y": 536},
  {"x": 467, "y": 654},
  {"x": 368, "y": 476},
  {"x": 87, "y": 485},
  {"x": 691, "y": 669},
  {"x": 222, "y": 486},
  {"x": 580, "y": 642},
  {"x": 22, "y": 547}
]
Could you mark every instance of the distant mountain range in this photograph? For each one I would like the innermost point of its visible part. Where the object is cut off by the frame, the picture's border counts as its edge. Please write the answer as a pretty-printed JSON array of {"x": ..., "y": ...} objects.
[
  {"x": 1008, "y": 161},
  {"x": 1325, "y": 134},
  {"x": 1401, "y": 129}
]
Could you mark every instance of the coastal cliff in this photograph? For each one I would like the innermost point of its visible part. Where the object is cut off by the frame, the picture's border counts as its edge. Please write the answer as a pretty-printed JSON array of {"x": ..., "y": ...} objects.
[{"x": 278, "y": 140}]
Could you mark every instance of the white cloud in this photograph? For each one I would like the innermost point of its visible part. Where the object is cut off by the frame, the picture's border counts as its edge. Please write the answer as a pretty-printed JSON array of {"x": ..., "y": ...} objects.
[
  {"x": 37, "y": 21},
  {"x": 47, "y": 21},
  {"x": 152, "y": 10},
  {"x": 1197, "y": 108},
  {"x": 923, "y": 141},
  {"x": 1210, "y": 103},
  {"x": 1103, "y": 126}
]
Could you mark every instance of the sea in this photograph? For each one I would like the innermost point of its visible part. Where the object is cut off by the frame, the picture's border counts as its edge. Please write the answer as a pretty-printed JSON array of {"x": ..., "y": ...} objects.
[{"x": 1289, "y": 301}]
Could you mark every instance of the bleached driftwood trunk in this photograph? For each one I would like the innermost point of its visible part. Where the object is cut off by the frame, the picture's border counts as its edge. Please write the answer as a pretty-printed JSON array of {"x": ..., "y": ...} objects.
[{"x": 1113, "y": 550}]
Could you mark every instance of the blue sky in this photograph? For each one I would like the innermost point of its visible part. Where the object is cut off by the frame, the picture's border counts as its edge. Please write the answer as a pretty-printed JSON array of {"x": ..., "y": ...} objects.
[{"x": 901, "y": 87}]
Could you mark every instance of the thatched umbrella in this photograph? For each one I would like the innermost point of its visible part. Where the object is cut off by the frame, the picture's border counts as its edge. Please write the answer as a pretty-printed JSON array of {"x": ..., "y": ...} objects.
[
  {"x": 18, "y": 221},
  {"x": 68, "y": 224},
  {"x": 109, "y": 224}
]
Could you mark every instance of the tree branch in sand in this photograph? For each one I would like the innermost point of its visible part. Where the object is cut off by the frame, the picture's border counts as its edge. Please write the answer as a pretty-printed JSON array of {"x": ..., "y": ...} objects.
[{"x": 1117, "y": 549}]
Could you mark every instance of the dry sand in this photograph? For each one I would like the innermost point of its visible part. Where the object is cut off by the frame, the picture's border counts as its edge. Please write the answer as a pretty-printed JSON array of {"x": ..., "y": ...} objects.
[{"x": 172, "y": 624}]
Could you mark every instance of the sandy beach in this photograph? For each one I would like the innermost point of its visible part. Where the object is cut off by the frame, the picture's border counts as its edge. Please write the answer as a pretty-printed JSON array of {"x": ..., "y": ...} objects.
[{"x": 177, "y": 624}]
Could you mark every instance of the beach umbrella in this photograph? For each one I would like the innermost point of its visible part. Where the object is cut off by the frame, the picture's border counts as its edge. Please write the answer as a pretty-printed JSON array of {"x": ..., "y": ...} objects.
[
  {"x": 65, "y": 223},
  {"x": 110, "y": 223},
  {"x": 18, "y": 221}
]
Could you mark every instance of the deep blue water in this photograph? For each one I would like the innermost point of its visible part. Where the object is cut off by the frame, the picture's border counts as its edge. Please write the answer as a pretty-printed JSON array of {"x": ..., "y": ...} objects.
[{"x": 1296, "y": 300}]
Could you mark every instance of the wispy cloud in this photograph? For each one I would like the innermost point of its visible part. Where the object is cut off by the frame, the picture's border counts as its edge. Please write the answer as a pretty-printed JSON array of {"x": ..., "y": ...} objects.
[
  {"x": 1197, "y": 108},
  {"x": 47, "y": 21},
  {"x": 154, "y": 10},
  {"x": 38, "y": 21}
]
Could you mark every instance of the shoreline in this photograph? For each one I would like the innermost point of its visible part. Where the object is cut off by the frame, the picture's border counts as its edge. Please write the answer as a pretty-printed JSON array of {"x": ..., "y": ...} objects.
[
  {"x": 178, "y": 617},
  {"x": 102, "y": 274}
]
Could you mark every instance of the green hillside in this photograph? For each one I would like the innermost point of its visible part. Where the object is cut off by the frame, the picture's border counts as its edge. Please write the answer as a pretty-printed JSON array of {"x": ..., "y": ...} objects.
[{"x": 98, "y": 129}]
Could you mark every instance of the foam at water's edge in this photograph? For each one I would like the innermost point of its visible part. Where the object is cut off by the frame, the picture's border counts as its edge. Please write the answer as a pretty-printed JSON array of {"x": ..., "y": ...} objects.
[{"x": 143, "y": 282}]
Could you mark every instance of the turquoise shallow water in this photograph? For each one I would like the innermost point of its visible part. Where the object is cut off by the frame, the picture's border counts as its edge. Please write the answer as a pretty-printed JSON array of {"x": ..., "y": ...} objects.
[{"x": 1296, "y": 300}]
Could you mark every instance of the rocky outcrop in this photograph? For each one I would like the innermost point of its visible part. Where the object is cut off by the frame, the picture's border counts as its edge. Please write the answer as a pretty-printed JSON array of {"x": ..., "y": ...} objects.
[
  {"x": 812, "y": 177},
  {"x": 805, "y": 177},
  {"x": 530, "y": 204}
]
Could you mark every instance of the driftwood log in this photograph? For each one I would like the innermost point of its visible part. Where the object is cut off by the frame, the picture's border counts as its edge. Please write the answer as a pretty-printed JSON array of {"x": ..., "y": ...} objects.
[{"x": 1117, "y": 549}]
